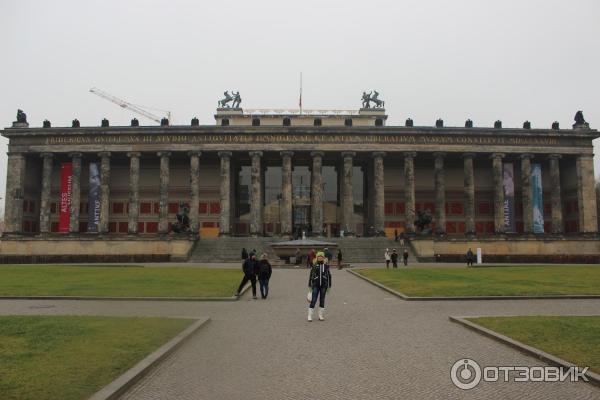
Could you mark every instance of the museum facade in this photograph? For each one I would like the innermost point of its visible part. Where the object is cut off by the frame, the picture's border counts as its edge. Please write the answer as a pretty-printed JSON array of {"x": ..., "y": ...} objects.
[{"x": 285, "y": 173}]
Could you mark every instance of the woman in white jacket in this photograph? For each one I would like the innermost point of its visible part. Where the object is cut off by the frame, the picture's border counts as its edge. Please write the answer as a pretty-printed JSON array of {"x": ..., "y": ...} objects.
[{"x": 387, "y": 258}]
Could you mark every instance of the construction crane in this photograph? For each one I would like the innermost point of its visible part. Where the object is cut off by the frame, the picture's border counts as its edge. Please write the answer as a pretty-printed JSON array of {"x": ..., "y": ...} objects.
[{"x": 129, "y": 106}]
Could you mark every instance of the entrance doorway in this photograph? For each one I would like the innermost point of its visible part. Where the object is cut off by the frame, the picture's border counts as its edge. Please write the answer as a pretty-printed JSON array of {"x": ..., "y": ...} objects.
[{"x": 301, "y": 220}]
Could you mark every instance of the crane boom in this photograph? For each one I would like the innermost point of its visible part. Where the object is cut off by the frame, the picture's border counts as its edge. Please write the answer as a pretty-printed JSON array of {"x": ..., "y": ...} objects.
[{"x": 124, "y": 104}]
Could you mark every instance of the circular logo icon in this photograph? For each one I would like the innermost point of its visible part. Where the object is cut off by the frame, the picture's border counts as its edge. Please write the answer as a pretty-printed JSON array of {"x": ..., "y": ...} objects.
[{"x": 465, "y": 374}]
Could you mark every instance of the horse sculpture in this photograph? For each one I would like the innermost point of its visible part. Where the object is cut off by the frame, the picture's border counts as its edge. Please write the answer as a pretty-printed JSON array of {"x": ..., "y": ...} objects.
[
  {"x": 372, "y": 97},
  {"x": 236, "y": 99}
]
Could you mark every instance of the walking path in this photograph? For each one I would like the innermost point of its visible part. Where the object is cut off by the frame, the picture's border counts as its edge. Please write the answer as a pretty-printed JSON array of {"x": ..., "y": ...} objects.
[{"x": 372, "y": 345}]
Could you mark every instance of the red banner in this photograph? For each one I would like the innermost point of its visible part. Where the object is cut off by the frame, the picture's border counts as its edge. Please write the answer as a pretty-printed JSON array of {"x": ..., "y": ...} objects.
[{"x": 66, "y": 176}]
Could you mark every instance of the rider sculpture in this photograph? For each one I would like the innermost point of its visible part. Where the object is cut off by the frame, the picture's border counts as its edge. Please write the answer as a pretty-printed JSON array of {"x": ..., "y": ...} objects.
[
  {"x": 372, "y": 97},
  {"x": 236, "y": 99}
]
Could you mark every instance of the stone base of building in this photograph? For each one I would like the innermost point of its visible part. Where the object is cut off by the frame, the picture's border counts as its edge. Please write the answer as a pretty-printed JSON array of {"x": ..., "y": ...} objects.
[
  {"x": 93, "y": 250},
  {"x": 527, "y": 249}
]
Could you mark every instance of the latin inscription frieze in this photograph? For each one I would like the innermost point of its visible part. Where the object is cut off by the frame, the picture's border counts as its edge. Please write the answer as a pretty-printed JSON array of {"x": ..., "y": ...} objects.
[{"x": 417, "y": 139}]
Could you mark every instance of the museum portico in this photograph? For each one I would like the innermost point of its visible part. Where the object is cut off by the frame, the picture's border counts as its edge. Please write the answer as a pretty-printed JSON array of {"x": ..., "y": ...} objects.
[{"x": 281, "y": 173}]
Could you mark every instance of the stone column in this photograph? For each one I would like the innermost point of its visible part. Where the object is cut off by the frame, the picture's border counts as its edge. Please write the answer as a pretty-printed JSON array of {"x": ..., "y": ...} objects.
[
  {"x": 194, "y": 190},
  {"x": 526, "y": 193},
  {"x": 104, "y": 191},
  {"x": 316, "y": 193},
  {"x": 555, "y": 194},
  {"x": 440, "y": 194},
  {"x": 469, "y": 193},
  {"x": 285, "y": 209},
  {"x": 347, "y": 198},
  {"x": 15, "y": 190},
  {"x": 409, "y": 191},
  {"x": 163, "y": 203},
  {"x": 586, "y": 194},
  {"x": 134, "y": 194},
  {"x": 47, "y": 164},
  {"x": 256, "y": 223},
  {"x": 225, "y": 194},
  {"x": 378, "y": 193},
  {"x": 75, "y": 192},
  {"x": 498, "y": 192}
]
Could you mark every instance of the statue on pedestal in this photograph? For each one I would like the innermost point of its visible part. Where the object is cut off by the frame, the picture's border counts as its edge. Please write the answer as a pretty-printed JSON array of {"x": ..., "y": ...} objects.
[
  {"x": 21, "y": 117},
  {"x": 237, "y": 99},
  {"x": 423, "y": 221},
  {"x": 580, "y": 121},
  {"x": 223, "y": 103},
  {"x": 373, "y": 96},
  {"x": 183, "y": 221}
]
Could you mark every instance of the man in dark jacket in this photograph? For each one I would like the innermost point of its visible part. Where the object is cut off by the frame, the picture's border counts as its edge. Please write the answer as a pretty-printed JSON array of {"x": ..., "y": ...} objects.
[
  {"x": 470, "y": 258},
  {"x": 244, "y": 253},
  {"x": 405, "y": 257},
  {"x": 394, "y": 258},
  {"x": 264, "y": 274},
  {"x": 250, "y": 270}
]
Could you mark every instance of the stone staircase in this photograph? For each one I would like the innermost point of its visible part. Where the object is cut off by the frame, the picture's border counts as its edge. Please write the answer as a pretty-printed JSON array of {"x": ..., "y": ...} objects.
[{"x": 228, "y": 249}]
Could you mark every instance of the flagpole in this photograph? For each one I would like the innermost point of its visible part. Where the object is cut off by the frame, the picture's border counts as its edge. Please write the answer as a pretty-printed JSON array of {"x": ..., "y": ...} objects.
[{"x": 300, "y": 103}]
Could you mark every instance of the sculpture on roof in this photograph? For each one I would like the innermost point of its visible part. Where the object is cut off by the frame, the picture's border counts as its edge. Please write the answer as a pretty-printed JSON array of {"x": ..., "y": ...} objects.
[
  {"x": 223, "y": 103},
  {"x": 373, "y": 96},
  {"x": 21, "y": 117},
  {"x": 237, "y": 99},
  {"x": 579, "y": 120}
]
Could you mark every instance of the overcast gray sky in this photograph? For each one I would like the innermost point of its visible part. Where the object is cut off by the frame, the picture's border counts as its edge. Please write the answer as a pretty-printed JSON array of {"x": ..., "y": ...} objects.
[{"x": 484, "y": 60}]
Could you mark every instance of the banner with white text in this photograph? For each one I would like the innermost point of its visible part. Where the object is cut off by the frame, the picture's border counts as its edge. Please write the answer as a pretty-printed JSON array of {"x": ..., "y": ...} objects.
[
  {"x": 509, "y": 197},
  {"x": 536, "y": 198},
  {"x": 66, "y": 177},
  {"x": 94, "y": 199}
]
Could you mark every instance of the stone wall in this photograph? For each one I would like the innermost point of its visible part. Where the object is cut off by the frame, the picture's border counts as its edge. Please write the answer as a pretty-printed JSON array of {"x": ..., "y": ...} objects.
[{"x": 37, "y": 250}]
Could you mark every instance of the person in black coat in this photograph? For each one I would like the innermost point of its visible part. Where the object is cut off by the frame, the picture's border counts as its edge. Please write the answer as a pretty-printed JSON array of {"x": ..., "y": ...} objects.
[
  {"x": 319, "y": 281},
  {"x": 244, "y": 253},
  {"x": 470, "y": 258},
  {"x": 249, "y": 268},
  {"x": 394, "y": 258},
  {"x": 264, "y": 274}
]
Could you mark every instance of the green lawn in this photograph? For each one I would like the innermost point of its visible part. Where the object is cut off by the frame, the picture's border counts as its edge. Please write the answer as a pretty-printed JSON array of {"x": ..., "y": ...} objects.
[
  {"x": 69, "y": 357},
  {"x": 491, "y": 281},
  {"x": 574, "y": 339},
  {"x": 54, "y": 280}
]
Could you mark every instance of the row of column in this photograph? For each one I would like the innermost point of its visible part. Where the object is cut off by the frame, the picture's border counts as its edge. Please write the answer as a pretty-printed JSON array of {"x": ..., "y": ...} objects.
[
  {"x": 256, "y": 196},
  {"x": 584, "y": 167}
]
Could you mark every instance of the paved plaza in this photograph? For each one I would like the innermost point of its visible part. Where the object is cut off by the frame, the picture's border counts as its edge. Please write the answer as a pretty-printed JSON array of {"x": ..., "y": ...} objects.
[{"x": 372, "y": 345}]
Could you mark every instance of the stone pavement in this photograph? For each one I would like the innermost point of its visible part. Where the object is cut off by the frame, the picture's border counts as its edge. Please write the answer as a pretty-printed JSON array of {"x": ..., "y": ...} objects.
[{"x": 372, "y": 345}]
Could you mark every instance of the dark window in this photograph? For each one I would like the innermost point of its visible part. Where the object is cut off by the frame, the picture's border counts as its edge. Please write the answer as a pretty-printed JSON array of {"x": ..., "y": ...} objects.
[
  {"x": 287, "y": 122},
  {"x": 378, "y": 122},
  {"x": 225, "y": 122},
  {"x": 255, "y": 122},
  {"x": 348, "y": 122},
  {"x": 318, "y": 122}
]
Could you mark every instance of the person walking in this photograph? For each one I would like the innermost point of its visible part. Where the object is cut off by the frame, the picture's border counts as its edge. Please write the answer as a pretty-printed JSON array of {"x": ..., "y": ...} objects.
[
  {"x": 401, "y": 239},
  {"x": 388, "y": 258},
  {"x": 264, "y": 274},
  {"x": 328, "y": 255},
  {"x": 339, "y": 259},
  {"x": 319, "y": 281},
  {"x": 470, "y": 257},
  {"x": 394, "y": 258},
  {"x": 249, "y": 275},
  {"x": 405, "y": 257},
  {"x": 395, "y": 235},
  {"x": 244, "y": 253}
]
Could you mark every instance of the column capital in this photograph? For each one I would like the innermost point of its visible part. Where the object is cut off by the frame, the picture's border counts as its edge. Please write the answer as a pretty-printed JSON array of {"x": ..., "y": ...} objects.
[
  {"x": 468, "y": 155},
  {"x": 255, "y": 153},
  {"x": 554, "y": 156},
  {"x": 46, "y": 155},
  {"x": 348, "y": 154},
  {"x": 526, "y": 155},
  {"x": 410, "y": 154},
  {"x": 15, "y": 154},
  {"x": 131, "y": 154},
  {"x": 317, "y": 154},
  {"x": 286, "y": 153},
  {"x": 438, "y": 154},
  {"x": 497, "y": 155},
  {"x": 224, "y": 154},
  {"x": 75, "y": 155},
  {"x": 376, "y": 154},
  {"x": 163, "y": 154},
  {"x": 580, "y": 156},
  {"x": 194, "y": 153},
  {"x": 104, "y": 154}
]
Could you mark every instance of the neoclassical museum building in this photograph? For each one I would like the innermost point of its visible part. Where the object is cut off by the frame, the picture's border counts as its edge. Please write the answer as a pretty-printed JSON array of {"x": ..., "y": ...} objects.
[{"x": 154, "y": 192}]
